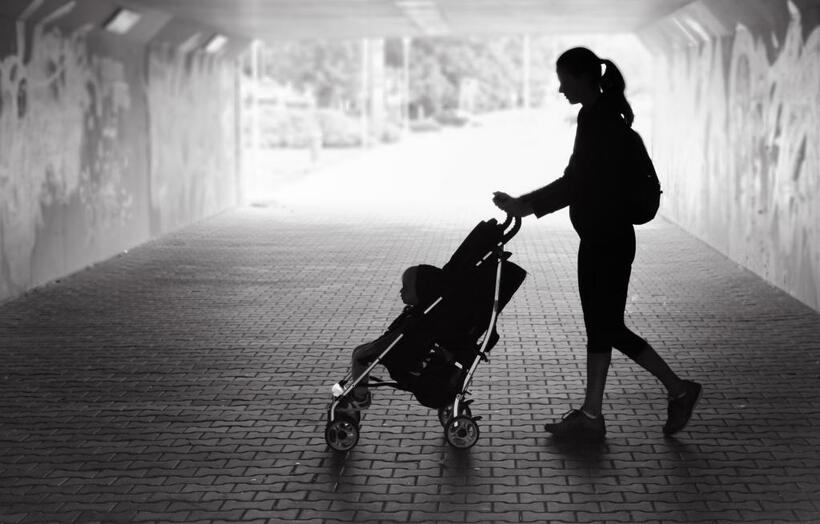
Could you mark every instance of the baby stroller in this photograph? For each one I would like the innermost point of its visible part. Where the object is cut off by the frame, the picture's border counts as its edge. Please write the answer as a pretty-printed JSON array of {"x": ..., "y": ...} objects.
[{"x": 459, "y": 330}]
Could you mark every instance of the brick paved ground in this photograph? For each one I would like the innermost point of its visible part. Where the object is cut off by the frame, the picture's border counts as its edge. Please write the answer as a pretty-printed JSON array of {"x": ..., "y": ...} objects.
[{"x": 187, "y": 381}]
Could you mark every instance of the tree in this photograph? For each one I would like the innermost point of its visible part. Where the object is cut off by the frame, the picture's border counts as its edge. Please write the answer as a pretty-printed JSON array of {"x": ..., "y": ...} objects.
[
  {"x": 438, "y": 67},
  {"x": 329, "y": 69}
]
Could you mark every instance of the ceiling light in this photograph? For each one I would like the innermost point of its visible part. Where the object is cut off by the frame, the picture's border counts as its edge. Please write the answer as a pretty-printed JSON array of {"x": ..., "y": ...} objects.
[
  {"x": 122, "y": 21},
  {"x": 216, "y": 43},
  {"x": 410, "y": 4}
]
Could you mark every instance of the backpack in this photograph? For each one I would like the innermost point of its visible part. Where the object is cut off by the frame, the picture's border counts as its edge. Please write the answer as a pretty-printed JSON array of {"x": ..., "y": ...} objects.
[{"x": 643, "y": 190}]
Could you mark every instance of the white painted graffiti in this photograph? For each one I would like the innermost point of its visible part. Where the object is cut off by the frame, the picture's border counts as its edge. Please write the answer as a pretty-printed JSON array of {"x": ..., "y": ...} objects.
[{"x": 740, "y": 151}]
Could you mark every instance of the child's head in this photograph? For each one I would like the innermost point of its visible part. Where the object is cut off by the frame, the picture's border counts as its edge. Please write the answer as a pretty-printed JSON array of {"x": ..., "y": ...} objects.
[{"x": 421, "y": 284}]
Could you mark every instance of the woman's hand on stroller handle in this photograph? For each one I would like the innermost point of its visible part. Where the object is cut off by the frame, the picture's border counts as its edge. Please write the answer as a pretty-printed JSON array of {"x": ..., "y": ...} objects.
[{"x": 511, "y": 205}]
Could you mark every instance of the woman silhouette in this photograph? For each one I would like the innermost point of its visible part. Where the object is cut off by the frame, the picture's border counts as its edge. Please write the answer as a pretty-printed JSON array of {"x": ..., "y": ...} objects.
[{"x": 590, "y": 186}]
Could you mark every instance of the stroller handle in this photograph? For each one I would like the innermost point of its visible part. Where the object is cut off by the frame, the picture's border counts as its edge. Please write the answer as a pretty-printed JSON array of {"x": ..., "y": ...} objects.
[{"x": 516, "y": 225}]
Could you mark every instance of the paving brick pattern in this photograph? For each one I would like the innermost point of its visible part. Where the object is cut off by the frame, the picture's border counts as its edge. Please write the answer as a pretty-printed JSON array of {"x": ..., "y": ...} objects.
[{"x": 187, "y": 381}]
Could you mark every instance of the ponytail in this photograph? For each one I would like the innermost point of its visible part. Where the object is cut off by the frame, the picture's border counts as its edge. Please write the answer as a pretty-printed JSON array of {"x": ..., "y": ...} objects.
[
  {"x": 612, "y": 88},
  {"x": 580, "y": 61}
]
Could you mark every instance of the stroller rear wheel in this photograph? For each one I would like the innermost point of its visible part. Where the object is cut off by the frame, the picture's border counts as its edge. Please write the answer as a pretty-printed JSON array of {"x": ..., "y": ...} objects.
[
  {"x": 446, "y": 413},
  {"x": 342, "y": 434},
  {"x": 461, "y": 432}
]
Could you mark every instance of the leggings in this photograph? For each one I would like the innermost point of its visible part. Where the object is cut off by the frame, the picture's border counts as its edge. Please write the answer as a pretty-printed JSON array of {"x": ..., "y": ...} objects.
[{"x": 603, "y": 281}]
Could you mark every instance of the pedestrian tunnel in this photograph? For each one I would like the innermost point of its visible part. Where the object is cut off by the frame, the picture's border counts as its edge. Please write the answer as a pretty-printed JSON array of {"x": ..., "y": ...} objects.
[{"x": 121, "y": 121}]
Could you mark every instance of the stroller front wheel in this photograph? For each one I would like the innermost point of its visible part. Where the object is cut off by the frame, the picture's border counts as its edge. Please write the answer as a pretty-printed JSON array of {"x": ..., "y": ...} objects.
[
  {"x": 461, "y": 432},
  {"x": 342, "y": 434}
]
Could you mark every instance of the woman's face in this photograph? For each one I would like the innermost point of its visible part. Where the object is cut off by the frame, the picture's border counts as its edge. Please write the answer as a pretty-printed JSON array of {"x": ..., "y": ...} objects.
[{"x": 572, "y": 86}]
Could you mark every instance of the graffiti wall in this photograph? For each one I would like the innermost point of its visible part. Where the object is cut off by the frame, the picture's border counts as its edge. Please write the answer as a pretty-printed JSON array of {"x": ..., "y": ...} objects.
[
  {"x": 191, "y": 101},
  {"x": 103, "y": 145},
  {"x": 737, "y": 142}
]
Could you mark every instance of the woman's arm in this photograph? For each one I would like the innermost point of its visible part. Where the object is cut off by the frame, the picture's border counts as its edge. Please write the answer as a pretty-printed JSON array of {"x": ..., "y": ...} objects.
[
  {"x": 594, "y": 151},
  {"x": 550, "y": 198}
]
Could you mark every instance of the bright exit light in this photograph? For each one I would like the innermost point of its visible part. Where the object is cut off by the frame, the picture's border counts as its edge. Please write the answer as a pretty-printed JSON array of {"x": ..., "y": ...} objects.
[
  {"x": 216, "y": 43},
  {"x": 122, "y": 21}
]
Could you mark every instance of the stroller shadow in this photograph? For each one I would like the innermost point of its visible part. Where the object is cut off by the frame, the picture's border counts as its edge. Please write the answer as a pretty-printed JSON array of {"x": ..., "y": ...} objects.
[
  {"x": 335, "y": 465},
  {"x": 456, "y": 466},
  {"x": 680, "y": 448},
  {"x": 683, "y": 460}
]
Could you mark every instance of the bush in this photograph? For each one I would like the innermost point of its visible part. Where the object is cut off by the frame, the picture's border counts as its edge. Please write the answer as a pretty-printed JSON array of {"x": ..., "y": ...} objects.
[
  {"x": 287, "y": 128},
  {"x": 451, "y": 117},
  {"x": 341, "y": 130},
  {"x": 387, "y": 132},
  {"x": 303, "y": 128},
  {"x": 423, "y": 126},
  {"x": 338, "y": 129}
]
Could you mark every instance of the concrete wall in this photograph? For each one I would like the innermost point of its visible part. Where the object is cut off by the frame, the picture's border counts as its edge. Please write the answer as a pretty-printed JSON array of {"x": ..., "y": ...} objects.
[
  {"x": 193, "y": 138},
  {"x": 737, "y": 134},
  {"x": 104, "y": 143}
]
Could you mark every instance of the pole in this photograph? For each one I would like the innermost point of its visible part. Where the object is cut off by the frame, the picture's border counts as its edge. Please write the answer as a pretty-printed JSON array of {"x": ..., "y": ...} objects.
[
  {"x": 255, "y": 88},
  {"x": 251, "y": 167},
  {"x": 406, "y": 81},
  {"x": 526, "y": 66},
  {"x": 239, "y": 172},
  {"x": 364, "y": 94}
]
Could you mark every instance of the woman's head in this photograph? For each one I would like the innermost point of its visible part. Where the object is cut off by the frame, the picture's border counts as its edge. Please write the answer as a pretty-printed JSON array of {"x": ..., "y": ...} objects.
[{"x": 580, "y": 78}]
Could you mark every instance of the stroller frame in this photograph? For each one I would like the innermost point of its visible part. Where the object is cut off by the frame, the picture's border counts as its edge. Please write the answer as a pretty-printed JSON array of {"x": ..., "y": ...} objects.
[{"x": 460, "y": 428}]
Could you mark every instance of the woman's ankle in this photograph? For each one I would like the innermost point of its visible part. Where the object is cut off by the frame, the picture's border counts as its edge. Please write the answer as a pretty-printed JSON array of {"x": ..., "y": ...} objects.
[{"x": 676, "y": 389}]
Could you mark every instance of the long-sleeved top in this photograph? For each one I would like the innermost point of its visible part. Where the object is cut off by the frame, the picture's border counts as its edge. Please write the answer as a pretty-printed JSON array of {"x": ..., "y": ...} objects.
[{"x": 592, "y": 184}]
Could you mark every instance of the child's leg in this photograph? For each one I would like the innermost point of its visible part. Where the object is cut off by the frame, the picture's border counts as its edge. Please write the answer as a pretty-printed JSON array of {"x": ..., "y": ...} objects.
[{"x": 363, "y": 356}]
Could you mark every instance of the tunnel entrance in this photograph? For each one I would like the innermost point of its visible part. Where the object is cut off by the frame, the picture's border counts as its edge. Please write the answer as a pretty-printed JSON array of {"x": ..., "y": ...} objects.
[{"x": 367, "y": 125}]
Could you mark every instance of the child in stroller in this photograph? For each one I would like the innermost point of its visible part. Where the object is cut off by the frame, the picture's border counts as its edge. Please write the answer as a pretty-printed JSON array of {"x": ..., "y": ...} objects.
[
  {"x": 421, "y": 284},
  {"x": 434, "y": 347}
]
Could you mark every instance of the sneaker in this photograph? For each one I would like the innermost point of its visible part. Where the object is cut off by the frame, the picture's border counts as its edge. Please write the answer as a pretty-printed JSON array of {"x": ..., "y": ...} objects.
[
  {"x": 681, "y": 407},
  {"x": 355, "y": 402},
  {"x": 576, "y": 424}
]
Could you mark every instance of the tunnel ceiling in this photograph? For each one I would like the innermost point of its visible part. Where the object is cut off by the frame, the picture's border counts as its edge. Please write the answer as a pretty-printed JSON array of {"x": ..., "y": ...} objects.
[{"x": 295, "y": 19}]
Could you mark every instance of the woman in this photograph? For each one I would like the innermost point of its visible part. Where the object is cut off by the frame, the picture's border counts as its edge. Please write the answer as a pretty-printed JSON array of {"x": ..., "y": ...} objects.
[{"x": 590, "y": 186}]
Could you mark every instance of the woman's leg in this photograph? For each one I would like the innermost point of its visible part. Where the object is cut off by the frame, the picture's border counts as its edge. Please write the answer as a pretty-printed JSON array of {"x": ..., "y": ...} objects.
[
  {"x": 683, "y": 394},
  {"x": 603, "y": 284},
  {"x": 588, "y": 422},
  {"x": 624, "y": 339},
  {"x": 645, "y": 356},
  {"x": 603, "y": 281},
  {"x": 597, "y": 369},
  {"x": 621, "y": 337},
  {"x": 593, "y": 281}
]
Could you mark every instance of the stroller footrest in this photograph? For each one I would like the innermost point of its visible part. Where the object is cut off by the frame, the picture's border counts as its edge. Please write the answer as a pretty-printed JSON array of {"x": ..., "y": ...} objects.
[{"x": 383, "y": 384}]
